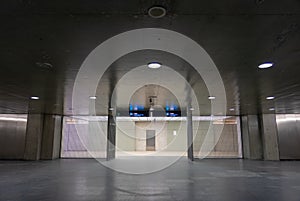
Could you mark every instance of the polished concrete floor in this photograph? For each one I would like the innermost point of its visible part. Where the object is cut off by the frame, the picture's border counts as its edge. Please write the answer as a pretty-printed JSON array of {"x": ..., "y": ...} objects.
[{"x": 208, "y": 179}]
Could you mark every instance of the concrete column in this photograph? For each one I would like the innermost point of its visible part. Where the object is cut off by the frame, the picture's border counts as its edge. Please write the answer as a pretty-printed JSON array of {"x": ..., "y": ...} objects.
[
  {"x": 251, "y": 136},
  {"x": 111, "y": 136},
  {"x": 33, "y": 137},
  {"x": 270, "y": 137},
  {"x": 43, "y": 137},
  {"x": 51, "y": 137},
  {"x": 190, "y": 134}
]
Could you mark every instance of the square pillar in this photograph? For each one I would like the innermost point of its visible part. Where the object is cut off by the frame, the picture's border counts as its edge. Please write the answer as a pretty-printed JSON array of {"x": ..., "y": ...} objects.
[
  {"x": 33, "y": 137},
  {"x": 270, "y": 137},
  {"x": 251, "y": 136}
]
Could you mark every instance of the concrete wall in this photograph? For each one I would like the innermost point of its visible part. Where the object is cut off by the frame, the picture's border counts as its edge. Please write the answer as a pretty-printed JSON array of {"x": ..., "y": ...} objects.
[
  {"x": 160, "y": 135},
  {"x": 288, "y": 135},
  {"x": 176, "y": 142},
  {"x": 207, "y": 143},
  {"x": 126, "y": 135},
  {"x": 12, "y": 137},
  {"x": 131, "y": 137},
  {"x": 125, "y": 139},
  {"x": 260, "y": 138},
  {"x": 83, "y": 138}
]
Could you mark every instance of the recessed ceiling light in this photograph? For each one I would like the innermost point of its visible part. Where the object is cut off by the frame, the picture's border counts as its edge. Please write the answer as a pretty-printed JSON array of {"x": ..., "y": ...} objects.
[
  {"x": 265, "y": 65},
  {"x": 154, "y": 65},
  {"x": 34, "y": 97},
  {"x": 93, "y": 97},
  {"x": 231, "y": 109},
  {"x": 44, "y": 65},
  {"x": 157, "y": 12},
  {"x": 211, "y": 97},
  {"x": 270, "y": 97},
  {"x": 271, "y": 109}
]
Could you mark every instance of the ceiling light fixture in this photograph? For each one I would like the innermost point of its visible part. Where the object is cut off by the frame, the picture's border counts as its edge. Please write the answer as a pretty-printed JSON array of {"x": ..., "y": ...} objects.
[
  {"x": 270, "y": 97},
  {"x": 211, "y": 97},
  {"x": 93, "y": 97},
  {"x": 265, "y": 65},
  {"x": 34, "y": 98},
  {"x": 157, "y": 12},
  {"x": 231, "y": 109},
  {"x": 272, "y": 109},
  {"x": 154, "y": 65},
  {"x": 111, "y": 109}
]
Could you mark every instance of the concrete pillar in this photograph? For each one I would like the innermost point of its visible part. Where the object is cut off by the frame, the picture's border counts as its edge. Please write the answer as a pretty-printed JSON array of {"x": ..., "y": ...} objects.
[
  {"x": 33, "y": 137},
  {"x": 43, "y": 137},
  {"x": 251, "y": 136},
  {"x": 190, "y": 134},
  {"x": 111, "y": 136},
  {"x": 270, "y": 137},
  {"x": 51, "y": 137}
]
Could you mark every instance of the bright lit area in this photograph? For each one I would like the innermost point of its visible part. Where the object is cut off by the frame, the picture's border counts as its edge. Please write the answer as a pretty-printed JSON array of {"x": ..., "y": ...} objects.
[{"x": 156, "y": 136}]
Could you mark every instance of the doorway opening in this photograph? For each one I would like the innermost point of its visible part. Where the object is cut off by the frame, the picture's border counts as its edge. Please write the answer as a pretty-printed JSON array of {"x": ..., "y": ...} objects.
[{"x": 150, "y": 140}]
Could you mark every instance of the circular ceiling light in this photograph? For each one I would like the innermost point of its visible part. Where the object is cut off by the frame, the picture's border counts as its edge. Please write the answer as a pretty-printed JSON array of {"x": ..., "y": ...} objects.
[
  {"x": 265, "y": 65},
  {"x": 154, "y": 65},
  {"x": 34, "y": 98},
  {"x": 44, "y": 65},
  {"x": 270, "y": 97},
  {"x": 211, "y": 97},
  {"x": 93, "y": 97},
  {"x": 157, "y": 12}
]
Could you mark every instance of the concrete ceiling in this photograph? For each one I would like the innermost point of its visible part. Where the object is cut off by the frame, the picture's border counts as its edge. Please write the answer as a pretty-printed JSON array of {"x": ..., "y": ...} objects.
[{"x": 238, "y": 35}]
